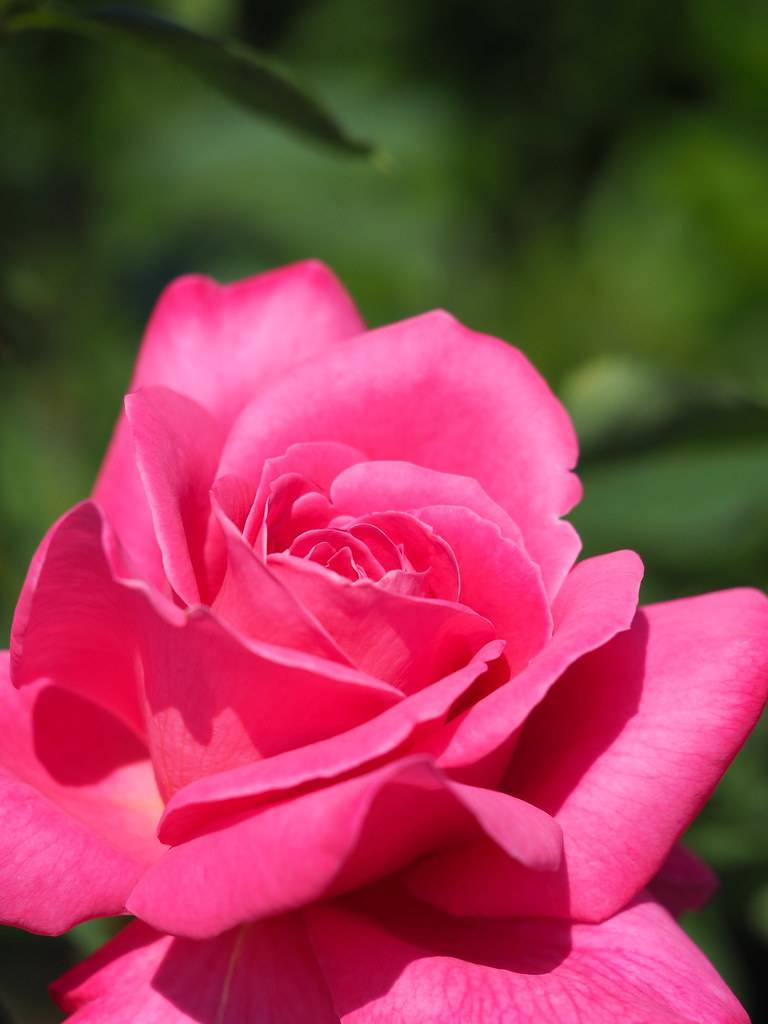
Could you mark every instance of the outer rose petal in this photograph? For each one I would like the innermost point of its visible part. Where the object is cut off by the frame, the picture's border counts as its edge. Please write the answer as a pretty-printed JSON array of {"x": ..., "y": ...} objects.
[
  {"x": 597, "y": 600},
  {"x": 407, "y": 391},
  {"x": 78, "y": 809},
  {"x": 212, "y": 699},
  {"x": 394, "y": 960},
  {"x": 220, "y": 345},
  {"x": 662, "y": 710},
  {"x": 265, "y": 973},
  {"x": 692, "y": 679},
  {"x": 327, "y": 841},
  {"x": 70, "y": 623}
]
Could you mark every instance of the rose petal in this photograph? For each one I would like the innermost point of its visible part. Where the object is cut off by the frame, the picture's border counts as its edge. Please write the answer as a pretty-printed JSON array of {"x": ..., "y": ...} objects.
[
  {"x": 328, "y": 841},
  {"x": 408, "y": 391},
  {"x": 264, "y": 972},
  {"x": 403, "y": 727},
  {"x": 70, "y": 623},
  {"x": 213, "y": 699},
  {"x": 386, "y": 486},
  {"x": 382, "y": 549},
  {"x": 78, "y": 808},
  {"x": 326, "y": 545},
  {"x": 388, "y": 959},
  {"x": 597, "y": 600},
  {"x": 683, "y": 882},
  {"x": 498, "y": 581},
  {"x": 216, "y": 700},
  {"x": 177, "y": 450},
  {"x": 422, "y": 552},
  {"x": 254, "y": 602},
  {"x": 406, "y": 640},
  {"x": 220, "y": 345},
  {"x": 662, "y": 710},
  {"x": 671, "y": 701},
  {"x": 318, "y": 464}
]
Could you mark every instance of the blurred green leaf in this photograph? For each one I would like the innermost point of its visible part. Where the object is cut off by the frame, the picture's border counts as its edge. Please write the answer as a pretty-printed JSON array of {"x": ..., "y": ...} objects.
[
  {"x": 696, "y": 514},
  {"x": 708, "y": 929},
  {"x": 730, "y": 833},
  {"x": 92, "y": 935},
  {"x": 246, "y": 76},
  {"x": 615, "y": 401},
  {"x": 758, "y": 912},
  {"x": 619, "y": 403}
]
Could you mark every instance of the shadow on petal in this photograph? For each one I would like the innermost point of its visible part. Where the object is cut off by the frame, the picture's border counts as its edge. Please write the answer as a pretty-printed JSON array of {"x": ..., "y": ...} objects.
[
  {"x": 259, "y": 972},
  {"x": 77, "y": 742}
]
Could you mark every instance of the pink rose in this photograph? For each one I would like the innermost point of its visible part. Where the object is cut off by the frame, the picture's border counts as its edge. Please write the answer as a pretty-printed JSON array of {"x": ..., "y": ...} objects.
[{"x": 313, "y": 688}]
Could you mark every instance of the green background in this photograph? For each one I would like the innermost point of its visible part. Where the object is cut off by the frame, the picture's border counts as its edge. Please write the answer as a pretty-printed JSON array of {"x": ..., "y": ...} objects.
[{"x": 587, "y": 180}]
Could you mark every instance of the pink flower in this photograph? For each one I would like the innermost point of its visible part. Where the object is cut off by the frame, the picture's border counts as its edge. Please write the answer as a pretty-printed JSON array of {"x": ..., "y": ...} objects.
[{"x": 313, "y": 688}]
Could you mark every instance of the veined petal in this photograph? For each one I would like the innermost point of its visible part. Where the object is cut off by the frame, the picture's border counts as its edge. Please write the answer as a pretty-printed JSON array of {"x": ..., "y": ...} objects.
[
  {"x": 390, "y": 959},
  {"x": 264, "y": 972},
  {"x": 661, "y": 710}
]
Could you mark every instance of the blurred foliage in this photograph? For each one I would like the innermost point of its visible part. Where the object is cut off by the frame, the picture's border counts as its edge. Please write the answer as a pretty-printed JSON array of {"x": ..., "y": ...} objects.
[
  {"x": 589, "y": 181},
  {"x": 243, "y": 74}
]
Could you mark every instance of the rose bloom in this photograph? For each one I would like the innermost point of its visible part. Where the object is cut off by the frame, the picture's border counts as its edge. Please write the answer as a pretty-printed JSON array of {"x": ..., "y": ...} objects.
[{"x": 315, "y": 688}]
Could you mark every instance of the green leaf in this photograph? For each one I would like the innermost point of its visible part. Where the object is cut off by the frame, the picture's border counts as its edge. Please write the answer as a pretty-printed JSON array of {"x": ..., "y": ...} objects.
[
  {"x": 709, "y": 929},
  {"x": 251, "y": 79},
  {"x": 90, "y": 935},
  {"x": 697, "y": 514},
  {"x": 619, "y": 403},
  {"x": 758, "y": 912}
]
